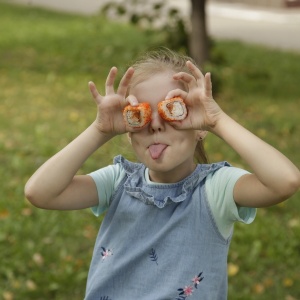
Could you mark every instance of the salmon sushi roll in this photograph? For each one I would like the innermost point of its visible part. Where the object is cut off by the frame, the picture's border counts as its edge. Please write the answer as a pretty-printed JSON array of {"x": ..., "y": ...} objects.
[
  {"x": 173, "y": 109},
  {"x": 137, "y": 116}
]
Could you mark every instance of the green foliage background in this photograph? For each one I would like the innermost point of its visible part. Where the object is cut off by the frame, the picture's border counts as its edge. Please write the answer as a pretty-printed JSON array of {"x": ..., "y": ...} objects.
[{"x": 46, "y": 60}]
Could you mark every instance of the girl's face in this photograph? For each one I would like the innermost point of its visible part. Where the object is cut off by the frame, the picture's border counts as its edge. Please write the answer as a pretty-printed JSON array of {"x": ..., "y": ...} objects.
[{"x": 167, "y": 152}]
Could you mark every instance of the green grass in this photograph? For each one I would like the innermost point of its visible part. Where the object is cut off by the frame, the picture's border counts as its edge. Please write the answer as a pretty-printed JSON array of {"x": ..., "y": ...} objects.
[{"x": 46, "y": 61}]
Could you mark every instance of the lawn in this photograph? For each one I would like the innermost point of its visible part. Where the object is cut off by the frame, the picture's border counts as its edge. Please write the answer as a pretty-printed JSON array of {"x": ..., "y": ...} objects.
[{"x": 46, "y": 61}]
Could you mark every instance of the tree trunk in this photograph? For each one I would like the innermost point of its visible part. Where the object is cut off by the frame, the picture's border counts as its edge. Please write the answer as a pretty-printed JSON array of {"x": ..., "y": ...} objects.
[{"x": 198, "y": 39}]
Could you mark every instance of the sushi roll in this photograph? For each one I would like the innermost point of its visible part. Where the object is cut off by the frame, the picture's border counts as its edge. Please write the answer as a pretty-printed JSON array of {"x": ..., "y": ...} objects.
[
  {"x": 137, "y": 116},
  {"x": 173, "y": 109}
]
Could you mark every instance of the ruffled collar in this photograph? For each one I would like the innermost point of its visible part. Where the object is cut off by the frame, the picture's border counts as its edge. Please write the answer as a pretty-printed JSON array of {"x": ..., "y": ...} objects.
[{"x": 161, "y": 195}]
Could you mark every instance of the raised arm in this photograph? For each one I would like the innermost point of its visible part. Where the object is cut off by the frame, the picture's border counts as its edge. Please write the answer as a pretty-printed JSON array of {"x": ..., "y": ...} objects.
[
  {"x": 275, "y": 178},
  {"x": 55, "y": 184}
]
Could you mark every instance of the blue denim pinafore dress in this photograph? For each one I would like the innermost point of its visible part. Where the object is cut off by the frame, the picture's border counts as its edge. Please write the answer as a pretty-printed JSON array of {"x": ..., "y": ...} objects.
[{"x": 159, "y": 242}]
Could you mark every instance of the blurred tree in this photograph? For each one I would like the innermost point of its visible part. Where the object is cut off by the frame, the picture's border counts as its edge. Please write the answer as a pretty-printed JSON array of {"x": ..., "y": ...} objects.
[
  {"x": 198, "y": 38},
  {"x": 171, "y": 22}
]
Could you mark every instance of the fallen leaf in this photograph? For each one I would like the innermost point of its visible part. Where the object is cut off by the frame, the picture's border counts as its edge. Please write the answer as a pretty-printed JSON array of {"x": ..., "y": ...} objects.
[
  {"x": 4, "y": 214},
  {"x": 289, "y": 297},
  {"x": 26, "y": 212},
  {"x": 232, "y": 269},
  {"x": 38, "y": 259},
  {"x": 288, "y": 282},
  {"x": 8, "y": 296},
  {"x": 258, "y": 288},
  {"x": 294, "y": 223},
  {"x": 268, "y": 282},
  {"x": 31, "y": 285},
  {"x": 73, "y": 116},
  {"x": 89, "y": 232}
]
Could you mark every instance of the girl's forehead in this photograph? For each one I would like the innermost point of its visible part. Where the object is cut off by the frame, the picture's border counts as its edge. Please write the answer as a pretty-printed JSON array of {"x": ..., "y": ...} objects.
[{"x": 155, "y": 88}]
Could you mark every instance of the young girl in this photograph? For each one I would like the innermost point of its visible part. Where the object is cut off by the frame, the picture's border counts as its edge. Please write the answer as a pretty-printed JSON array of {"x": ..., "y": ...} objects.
[{"x": 169, "y": 220}]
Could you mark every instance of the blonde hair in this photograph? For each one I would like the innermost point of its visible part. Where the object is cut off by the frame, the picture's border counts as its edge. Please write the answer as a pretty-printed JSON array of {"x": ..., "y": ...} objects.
[
  {"x": 158, "y": 61},
  {"x": 164, "y": 60}
]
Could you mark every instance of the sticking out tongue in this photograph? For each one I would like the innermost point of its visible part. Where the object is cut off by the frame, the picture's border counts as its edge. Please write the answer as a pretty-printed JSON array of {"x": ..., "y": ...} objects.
[{"x": 156, "y": 150}]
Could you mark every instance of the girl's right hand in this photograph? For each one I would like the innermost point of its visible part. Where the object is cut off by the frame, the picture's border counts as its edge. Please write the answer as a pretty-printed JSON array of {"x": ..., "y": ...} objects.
[{"x": 110, "y": 107}]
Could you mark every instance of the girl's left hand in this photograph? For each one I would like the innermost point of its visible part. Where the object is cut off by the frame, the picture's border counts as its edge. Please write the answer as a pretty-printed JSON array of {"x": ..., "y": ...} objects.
[{"x": 203, "y": 111}]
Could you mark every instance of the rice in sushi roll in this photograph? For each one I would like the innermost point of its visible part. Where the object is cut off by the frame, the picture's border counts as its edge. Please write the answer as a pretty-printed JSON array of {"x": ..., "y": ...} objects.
[
  {"x": 173, "y": 109},
  {"x": 137, "y": 116}
]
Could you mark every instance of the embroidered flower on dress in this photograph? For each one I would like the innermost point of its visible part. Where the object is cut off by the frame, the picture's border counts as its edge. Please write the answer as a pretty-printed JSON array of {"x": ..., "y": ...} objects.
[
  {"x": 197, "y": 279},
  {"x": 188, "y": 290},
  {"x": 185, "y": 292},
  {"x": 106, "y": 253}
]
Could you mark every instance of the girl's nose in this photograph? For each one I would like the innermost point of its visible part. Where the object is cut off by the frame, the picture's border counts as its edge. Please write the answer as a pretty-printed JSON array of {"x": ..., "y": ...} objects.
[{"x": 156, "y": 123}]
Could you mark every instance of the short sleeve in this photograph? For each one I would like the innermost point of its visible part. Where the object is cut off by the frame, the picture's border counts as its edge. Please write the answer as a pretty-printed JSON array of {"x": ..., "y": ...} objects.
[
  {"x": 106, "y": 180},
  {"x": 219, "y": 188}
]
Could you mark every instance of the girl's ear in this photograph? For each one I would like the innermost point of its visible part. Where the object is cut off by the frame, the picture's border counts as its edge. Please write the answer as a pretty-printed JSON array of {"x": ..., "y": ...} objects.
[{"x": 201, "y": 134}]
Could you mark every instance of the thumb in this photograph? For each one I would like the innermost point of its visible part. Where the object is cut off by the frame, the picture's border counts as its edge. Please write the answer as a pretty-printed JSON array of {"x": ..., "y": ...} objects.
[{"x": 132, "y": 100}]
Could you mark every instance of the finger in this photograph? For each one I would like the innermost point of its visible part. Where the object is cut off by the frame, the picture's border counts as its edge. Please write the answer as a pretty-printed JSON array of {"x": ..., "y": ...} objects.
[
  {"x": 176, "y": 93},
  {"x": 124, "y": 83},
  {"x": 109, "y": 85},
  {"x": 195, "y": 71},
  {"x": 208, "y": 85},
  {"x": 94, "y": 91},
  {"x": 132, "y": 100},
  {"x": 186, "y": 78}
]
